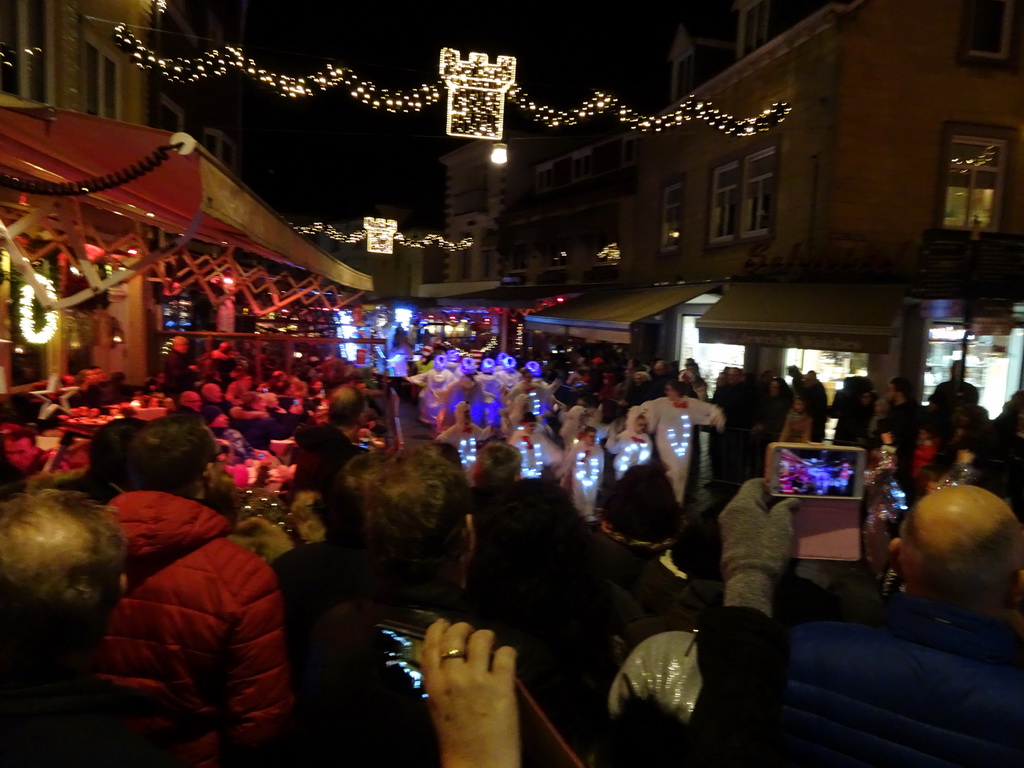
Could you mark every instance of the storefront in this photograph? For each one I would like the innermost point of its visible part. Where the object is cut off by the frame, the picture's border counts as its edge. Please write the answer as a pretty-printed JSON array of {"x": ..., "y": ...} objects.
[
  {"x": 830, "y": 329},
  {"x": 993, "y": 362}
]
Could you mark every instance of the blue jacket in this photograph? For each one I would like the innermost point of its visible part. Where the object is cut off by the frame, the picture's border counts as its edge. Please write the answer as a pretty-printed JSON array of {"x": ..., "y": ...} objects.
[{"x": 935, "y": 688}]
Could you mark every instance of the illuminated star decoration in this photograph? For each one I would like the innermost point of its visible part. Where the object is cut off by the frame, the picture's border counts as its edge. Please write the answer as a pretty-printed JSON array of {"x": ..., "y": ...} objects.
[
  {"x": 53, "y": 392},
  {"x": 380, "y": 235},
  {"x": 476, "y": 93}
]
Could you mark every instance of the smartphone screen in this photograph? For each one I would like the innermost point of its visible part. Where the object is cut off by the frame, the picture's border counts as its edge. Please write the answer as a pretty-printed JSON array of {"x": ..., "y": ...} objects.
[
  {"x": 816, "y": 471},
  {"x": 400, "y": 649}
]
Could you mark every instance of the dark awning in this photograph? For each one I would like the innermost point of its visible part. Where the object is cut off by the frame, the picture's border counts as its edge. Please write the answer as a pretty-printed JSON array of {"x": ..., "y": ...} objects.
[
  {"x": 608, "y": 315},
  {"x": 850, "y": 318}
]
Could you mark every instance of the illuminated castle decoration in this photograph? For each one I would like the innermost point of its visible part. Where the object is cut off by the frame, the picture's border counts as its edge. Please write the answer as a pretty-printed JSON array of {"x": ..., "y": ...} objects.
[
  {"x": 380, "y": 235},
  {"x": 476, "y": 93}
]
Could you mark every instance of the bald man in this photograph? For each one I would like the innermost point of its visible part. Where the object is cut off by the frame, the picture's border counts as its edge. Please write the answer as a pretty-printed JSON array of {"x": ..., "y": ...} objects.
[{"x": 937, "y": 685}]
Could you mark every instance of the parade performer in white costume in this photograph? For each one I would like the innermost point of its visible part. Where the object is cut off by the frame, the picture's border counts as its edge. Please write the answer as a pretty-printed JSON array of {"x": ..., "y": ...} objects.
[
  {"x": 492, "y": 387},
  {"x": 464, "y": 435},
  {"x": 435, "y": 383},
  {"x": 540, "y": 394},
  {"x": 506, "y": 373},
  {"x": 632, "y": 446},
  {"x": 673, "y": 419},
  {"x": 584, "y": 414},
  {"x": 465, "y": 388},
  {"x": 584, "y": 468},
  {"x": 536, "y": 449}
]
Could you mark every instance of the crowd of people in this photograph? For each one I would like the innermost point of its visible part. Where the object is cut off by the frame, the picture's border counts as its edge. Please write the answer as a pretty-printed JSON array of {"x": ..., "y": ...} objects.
[{"x": 464, "y": 601}]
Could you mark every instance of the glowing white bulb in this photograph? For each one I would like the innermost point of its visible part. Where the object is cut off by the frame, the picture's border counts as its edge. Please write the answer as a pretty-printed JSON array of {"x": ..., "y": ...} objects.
[{"x": 499, "y": 153}]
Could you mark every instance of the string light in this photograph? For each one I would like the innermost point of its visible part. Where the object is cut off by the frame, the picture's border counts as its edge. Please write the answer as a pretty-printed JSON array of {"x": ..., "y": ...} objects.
[
  {"x": 27, "y": 322},
  {"x": 680, "y": 443},
  {"x": 632, "y": 454},
  {"x": 219, "y": 62},
  {"x": 380, "y": 234},
  {"x": 477, "y": 91},
  {"x": 329, "y": 231}
]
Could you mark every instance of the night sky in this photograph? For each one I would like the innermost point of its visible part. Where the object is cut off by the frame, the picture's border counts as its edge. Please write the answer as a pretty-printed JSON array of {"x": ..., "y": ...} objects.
[{"x": 331, "y": 157}]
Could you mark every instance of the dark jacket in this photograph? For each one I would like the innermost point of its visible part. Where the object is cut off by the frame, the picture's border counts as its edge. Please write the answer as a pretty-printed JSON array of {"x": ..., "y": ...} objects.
[
  {"x": 199, "y": 629},
  {"x": 347, "y": 679},
  {"x": 314, "y": 578},
  {"x": 322, "y": 451},
  {"x": 935, "y": 687},
  {"x": 60, "y": 719}
]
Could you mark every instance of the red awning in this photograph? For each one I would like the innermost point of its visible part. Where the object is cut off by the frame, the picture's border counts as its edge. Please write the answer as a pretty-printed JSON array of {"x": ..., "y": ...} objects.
[{"x": 60, "y": 145}]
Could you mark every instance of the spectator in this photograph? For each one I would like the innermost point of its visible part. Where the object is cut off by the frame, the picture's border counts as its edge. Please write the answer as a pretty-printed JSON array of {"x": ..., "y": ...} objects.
[
  {"x": 902, "y": 421},
  {"x": 22, "y": 452},
  {"x": 813, "y": 393},
  {"x": 224, "y": 362},
  {"x": 799, "y": 424},
  {"x": 179, "y": 373},
  {"x": 944, "y": 665},
  {"x": 61, "y": 560},
  {"x": 497, "y": 467},
  {"x": 419, "y": 535},
  {"x": 107, "y": 475},
  {"x": 200, "y": 628},
  {"x": 640, "y": 520},
  {"x": 324, "y": 449},
  {"x": 212, "y": 394},
  {"x": 190, "y": 401}
]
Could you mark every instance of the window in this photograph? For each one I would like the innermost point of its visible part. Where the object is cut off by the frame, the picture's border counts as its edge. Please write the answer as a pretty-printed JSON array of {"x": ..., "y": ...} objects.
[
  {"x": 222, "y": 147},
  {"x": 581, "y": 165},
  {"x": 544, "y": 177},
  {"x": 753, "y": 32},
  {"x": 725, "y": 188},
  {"x": 487, "y": 260},
  {"x": 742, "y": 197},
  {"x": 557, "y": 257},
  {"x": 466, "y": 265},
  {"x": 976, "y": 167},
  {"x": 758, "y": 192},
  {"x": 23, "y": 54},
  {"x": 989, "y": 28},
  {"x": 100, "y": 82},
  {"x": 171, "y": 117},
  {"x": 682, "y": 76},
  {"x": 629, "y": 151},
  {"x": 519, "y": 257},
  {"x": 671, "y": 215}
]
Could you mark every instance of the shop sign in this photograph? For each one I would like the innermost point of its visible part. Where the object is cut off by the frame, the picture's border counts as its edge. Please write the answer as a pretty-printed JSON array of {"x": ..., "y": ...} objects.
[
  {"x": 837, "y": 342},
  {"x": 843, "y": 256}
]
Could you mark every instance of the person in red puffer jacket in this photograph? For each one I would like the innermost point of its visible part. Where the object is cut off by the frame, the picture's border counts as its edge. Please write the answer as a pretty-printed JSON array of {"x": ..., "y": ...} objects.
[{"x": 200, "y": 626}]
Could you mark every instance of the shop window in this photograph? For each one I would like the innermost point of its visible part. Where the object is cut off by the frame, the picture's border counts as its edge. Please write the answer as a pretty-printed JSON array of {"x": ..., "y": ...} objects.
[
  {"x": 725, "y": 190},
  {"x": 101, "y": 76},
  {"x": 519, "y": 257},
  {"x": 975, "y": 174},
  {"x": 467, "y": 265},
  {"x": 988, "y": 29},
  {"x": 671, "y": 215},
  {"x": 753, "y": 28},
  {"x": 23, "y": 48},
  {"x": 758, "y": 192}
]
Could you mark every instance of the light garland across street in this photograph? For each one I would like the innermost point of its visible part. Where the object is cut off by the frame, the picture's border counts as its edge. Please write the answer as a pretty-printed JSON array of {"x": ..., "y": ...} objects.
[
  {"x": 477, "y": 90},
  {"x": 328, "y": 230}
]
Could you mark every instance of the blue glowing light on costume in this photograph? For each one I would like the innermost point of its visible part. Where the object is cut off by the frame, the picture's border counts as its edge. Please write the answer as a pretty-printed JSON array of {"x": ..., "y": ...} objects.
[
  {"x": 534, "y": 368},
  {"x": 487, "y": 365}
]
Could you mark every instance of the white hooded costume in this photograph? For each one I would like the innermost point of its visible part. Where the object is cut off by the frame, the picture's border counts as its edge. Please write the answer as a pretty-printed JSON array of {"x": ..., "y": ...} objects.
[
  {"x": 631, "y": 446},
  {"x": 584, "y": 469},
  {"x": 435, "y": 383},
  {"x": 673, "y": 426},
  {"x": 464, "y": 436},
  {"x": 537, "y": 452}
]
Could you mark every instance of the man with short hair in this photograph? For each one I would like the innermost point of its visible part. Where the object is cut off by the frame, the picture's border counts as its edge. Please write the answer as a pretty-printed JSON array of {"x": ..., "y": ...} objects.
[
  {"x": 190, "y": 402},
  {"x": 938, "y": 685},
  {"x": 200, "y": 628},
  {"x": 497, "y": 468},
  {"x": 325, "y": 448},
  {"x": 22, "y": 452},
  {"x": 61, "y": 560}
]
